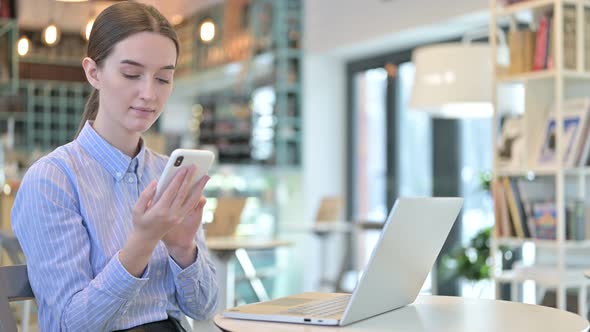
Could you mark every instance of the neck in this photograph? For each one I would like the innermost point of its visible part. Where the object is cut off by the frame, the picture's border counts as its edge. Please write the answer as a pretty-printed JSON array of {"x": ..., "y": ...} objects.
[{"x": 122, "y": 139}]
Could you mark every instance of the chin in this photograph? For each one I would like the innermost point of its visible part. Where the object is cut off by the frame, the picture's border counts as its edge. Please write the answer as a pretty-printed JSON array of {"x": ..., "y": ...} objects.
[{"x": 140, "y": 126}]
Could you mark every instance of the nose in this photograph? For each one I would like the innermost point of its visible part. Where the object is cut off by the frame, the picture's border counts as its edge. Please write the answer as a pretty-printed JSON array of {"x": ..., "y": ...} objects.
[{"x": 148, "y": 90}]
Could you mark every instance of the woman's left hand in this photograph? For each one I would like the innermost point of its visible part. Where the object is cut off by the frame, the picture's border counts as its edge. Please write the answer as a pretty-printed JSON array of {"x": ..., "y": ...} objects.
[{"x": 180, "y": 240}]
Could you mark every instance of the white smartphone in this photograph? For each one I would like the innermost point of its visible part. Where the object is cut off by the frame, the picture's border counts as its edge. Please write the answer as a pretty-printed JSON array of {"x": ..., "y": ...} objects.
[{"x": 182, "y": 158}]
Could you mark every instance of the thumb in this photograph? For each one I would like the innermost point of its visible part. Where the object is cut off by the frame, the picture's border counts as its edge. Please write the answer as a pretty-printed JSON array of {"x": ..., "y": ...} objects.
[{"x": 146, "y": 196}]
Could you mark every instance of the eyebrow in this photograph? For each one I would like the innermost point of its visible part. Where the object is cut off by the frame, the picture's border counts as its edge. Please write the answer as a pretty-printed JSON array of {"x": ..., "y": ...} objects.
[{"x": 134, "y": 63}]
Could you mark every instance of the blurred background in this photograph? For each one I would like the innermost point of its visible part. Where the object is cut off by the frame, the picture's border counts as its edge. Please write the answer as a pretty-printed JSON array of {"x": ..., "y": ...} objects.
[{"x": 322, "y": 113}]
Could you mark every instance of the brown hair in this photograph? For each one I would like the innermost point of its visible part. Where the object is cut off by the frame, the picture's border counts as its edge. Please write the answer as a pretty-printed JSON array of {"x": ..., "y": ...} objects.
[{"x": 114, "y": 24}]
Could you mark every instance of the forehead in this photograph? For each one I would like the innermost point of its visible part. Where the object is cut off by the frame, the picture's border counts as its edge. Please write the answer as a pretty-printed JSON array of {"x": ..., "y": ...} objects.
[{"x": 148, "y": 48}]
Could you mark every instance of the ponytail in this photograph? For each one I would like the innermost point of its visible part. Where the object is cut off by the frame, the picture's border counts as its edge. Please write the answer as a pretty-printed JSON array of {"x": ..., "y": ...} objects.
[{"x": 90, "y": 110}]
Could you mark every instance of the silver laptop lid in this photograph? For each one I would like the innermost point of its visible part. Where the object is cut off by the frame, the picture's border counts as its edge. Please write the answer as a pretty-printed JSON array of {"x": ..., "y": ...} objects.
[{"x": 410, "y": 241}]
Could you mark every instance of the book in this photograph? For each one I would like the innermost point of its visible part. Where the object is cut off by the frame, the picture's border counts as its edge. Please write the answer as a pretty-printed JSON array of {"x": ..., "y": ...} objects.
[
  {"x": 541, "y": 43},
  {"x": 545, "y": 217},
  {"x": 522, "y": 50},
  {"x": 516, "y": 209},
  {"x": 549, "y": 48},
  {"x": 575, "y": 119},
  {"x": 501, "y": 214},
  {"x": 569, "y": 37},
  {"x": 580, "y": 107},
  {"x": 576, "y": 220}
]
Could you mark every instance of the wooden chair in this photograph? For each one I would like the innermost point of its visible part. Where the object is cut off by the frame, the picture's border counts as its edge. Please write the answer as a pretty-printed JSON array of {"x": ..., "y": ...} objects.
[
  {"x": 226, "y": 217},
  {"x": 328, "y": 221},
  {"x": 14, "y": 286},
  {"x": 330, "y": 209}
]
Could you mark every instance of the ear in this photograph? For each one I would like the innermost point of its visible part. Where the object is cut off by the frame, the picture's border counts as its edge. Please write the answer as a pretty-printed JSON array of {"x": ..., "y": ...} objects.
[{"x": 91, "y": 71}]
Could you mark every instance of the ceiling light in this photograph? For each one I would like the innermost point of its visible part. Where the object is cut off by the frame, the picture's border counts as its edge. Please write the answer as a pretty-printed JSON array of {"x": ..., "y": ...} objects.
[
  {"x": 176, "y": 19},
  {"x": 23, "y": 46},
  {"x": 453, "y": 80},
  {"x": 51, "y": 35},
  {"x": 207, "y": 31}
]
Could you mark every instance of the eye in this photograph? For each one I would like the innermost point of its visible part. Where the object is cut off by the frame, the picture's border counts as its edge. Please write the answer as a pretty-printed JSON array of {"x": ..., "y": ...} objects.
[
  {"x": 131, "y": 77},
  {"x": 163, "y": 81}
]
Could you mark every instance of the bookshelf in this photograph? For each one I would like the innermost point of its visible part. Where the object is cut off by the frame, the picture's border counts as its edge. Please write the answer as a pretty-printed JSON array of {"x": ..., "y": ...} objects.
[{"x": 540, "y": 186}]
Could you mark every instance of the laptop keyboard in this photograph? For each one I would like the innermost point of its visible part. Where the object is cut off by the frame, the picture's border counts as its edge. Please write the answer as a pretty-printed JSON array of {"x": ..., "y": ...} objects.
[{"x": 325, "y": 308}]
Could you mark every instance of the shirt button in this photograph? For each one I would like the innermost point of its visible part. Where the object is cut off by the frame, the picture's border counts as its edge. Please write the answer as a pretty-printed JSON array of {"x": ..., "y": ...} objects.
[
  {"x": 161, "y": 304},
  {"x": 119, "y": 174},
  {"x": 159, "y": 273},
  {"x": 130, "y": 179},
  {"x": 189, "y": 300}
]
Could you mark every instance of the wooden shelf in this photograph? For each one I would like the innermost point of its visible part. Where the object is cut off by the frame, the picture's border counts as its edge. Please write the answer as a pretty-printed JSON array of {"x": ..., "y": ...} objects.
[
  {"x": 543, "y": 171},
  {"x": 534, "y": 5},
  {"x": 541, "y": 243},
  {"x": 546, "y": 276},
  {"x": 543, "y": 75}
]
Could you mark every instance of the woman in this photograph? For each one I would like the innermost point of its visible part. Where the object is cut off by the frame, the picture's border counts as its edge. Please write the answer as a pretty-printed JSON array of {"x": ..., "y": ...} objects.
[{"x": 101, "y": 255}]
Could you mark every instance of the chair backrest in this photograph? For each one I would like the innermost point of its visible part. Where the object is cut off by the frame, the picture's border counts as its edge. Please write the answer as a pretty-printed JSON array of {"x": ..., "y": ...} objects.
[
  {"x": 330, "y": 209},
  {"x": 227, "y": 216},
  {"x": 14, "y": 286},
  {"x": 9, "y": 243}
]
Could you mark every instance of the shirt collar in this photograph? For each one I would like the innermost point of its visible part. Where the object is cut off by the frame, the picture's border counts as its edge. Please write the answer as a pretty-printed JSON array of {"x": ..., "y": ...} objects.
[{"x": 112, "y": 159}]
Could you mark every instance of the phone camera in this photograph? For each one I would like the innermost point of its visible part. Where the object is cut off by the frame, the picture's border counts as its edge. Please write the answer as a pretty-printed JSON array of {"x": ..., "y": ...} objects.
[{"x": 178, "y": 161}]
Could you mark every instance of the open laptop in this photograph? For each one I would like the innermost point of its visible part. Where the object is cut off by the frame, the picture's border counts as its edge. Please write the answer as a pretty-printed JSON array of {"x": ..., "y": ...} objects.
[{"x": 410, "y": 241}]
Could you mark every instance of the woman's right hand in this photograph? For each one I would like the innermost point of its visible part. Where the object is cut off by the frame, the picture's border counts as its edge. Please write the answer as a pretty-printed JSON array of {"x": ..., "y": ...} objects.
[{"x": 152, "y": 220}]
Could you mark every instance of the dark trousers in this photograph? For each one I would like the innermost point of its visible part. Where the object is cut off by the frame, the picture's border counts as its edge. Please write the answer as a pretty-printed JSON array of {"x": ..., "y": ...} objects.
[{"x": 168, "y": 325}]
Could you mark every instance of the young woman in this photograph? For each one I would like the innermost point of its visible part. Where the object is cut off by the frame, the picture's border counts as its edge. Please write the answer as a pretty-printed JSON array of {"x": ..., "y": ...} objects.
[{"x": 101, "y": 254}]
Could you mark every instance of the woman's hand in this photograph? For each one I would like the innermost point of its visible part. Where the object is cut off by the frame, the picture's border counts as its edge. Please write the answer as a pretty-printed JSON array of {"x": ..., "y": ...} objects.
[
  {"x": 178, "y": 212},
  {"x": 152, "y": 220},
  {"x": 180, "y": 240}
]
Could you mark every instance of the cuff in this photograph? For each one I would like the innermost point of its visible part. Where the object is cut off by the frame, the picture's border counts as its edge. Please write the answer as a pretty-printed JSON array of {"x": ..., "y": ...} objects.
[
  {"x": 192, "y": 271},
  {"x": 117, "y": 281},
  {"x": 186, "y": 280}
]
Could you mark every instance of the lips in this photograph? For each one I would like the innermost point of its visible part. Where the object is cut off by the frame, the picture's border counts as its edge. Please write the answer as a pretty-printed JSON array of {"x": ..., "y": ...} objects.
[{"x": 144, "y": 109}]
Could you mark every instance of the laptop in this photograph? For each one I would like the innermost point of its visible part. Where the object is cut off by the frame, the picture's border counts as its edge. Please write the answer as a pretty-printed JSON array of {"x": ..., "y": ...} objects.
[{"x": 410, "y": 241}]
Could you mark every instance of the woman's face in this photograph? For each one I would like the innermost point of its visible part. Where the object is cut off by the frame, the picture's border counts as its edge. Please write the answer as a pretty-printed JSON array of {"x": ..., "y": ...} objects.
[{"x": 135, "y": 81}]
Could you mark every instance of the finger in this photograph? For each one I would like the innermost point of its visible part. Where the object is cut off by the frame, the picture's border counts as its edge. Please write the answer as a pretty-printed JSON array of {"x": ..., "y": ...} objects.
[
  {"x": 201, "y": 204},
  {"x": 196, "y": 213},
  {"x": 170, "y": 192},
  {"x": 195, "y": 195},
  {"x": 146, "y": 196},
  {"x": 184, "y": 187}
]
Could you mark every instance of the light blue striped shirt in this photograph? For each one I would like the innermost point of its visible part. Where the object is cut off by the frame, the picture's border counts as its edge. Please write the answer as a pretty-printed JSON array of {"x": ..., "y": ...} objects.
[{"x": 72, "y": 215}]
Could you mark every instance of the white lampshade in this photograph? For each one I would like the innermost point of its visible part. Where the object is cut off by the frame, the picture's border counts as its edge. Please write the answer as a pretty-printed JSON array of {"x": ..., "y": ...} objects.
[{"x": 453, "y": 80}]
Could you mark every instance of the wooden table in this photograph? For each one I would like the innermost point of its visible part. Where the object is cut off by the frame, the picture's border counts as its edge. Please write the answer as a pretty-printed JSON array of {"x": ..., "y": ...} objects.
[
  {"x": 223, "y": 250},
  {"x": 439, "y": 313}
]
